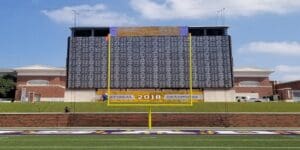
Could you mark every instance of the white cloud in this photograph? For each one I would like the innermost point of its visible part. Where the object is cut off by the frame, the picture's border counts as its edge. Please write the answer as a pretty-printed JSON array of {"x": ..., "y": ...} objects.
[
  {"x": 89, "y": 15},
  {"x": 287, "y": 73},
  {"x": 293, "y": 77},
  {"x": 288, "y": 69},
  {"x": 281, "y": 48},
  {"x": 199, "y": 9}
]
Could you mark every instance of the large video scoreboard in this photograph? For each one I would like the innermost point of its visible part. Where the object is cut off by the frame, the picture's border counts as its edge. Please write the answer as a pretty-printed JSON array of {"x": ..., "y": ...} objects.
[{"x": 150, "y": 57}]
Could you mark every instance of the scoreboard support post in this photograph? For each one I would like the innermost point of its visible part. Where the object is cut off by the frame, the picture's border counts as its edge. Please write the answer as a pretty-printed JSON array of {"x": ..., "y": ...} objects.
[
  {"x": 191, "y": 68},
  {"x": 150, "y": 118},
  {"x": 108, "y": 69}
]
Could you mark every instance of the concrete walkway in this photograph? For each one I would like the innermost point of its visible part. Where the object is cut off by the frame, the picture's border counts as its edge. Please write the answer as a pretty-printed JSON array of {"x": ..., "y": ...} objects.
[{"x": 146, "y": 131}]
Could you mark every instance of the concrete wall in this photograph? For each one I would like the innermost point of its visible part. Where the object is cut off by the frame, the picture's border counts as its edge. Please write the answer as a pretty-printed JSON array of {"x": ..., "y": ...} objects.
[
  {"x": 80, "y": 95},
  {"x": 217, "y": 95},
  {"x": 251, "y": 95},
  {"x": 52, "y": 99},
  {"x": 159, "y": 120}
]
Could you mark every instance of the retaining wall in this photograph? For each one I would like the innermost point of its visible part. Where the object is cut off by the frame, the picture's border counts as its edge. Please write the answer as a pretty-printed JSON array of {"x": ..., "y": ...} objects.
[{"x": 159, "y": 120}]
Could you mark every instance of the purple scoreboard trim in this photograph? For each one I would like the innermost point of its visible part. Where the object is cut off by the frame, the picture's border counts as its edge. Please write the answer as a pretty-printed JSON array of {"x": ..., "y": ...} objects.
[
  {"x": 113, "y": 31},
  {"x": 183, "y": 31}
]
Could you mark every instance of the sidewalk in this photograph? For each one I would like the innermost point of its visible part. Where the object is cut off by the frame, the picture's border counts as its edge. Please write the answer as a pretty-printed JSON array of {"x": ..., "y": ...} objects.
[{"x": 146, "y": 131}]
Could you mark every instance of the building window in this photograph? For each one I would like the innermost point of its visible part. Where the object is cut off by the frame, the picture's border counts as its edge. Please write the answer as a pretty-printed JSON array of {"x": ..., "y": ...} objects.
[
  {"x": 249, "y": 84},
  {"x": 296, "y": 95},
  {"x": 38, "y": 82}
]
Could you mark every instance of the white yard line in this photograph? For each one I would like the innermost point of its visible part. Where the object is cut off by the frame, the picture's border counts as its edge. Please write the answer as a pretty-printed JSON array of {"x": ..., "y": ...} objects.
[
  {"x": 143, "y": 147},
  {"x": 153, "y": 139}
]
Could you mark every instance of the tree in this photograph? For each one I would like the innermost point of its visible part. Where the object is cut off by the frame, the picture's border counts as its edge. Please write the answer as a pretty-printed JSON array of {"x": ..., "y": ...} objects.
[{"x": 7, "y": 86}]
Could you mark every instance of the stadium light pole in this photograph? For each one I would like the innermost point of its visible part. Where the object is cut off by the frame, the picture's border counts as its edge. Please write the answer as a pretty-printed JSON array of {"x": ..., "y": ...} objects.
[
  {"x": 221, "y": 16},
  {"x": 75, "y": 13}
]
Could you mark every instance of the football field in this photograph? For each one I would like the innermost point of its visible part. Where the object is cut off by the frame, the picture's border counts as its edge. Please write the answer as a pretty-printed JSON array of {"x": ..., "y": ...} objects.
[{"x": 150, "y": 142}]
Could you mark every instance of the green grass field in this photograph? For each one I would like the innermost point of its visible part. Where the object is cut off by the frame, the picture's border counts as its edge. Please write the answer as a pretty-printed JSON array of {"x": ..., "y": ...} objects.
[
  {"x": 198, "y": 107},
  {"x": 150, "y": 142}
]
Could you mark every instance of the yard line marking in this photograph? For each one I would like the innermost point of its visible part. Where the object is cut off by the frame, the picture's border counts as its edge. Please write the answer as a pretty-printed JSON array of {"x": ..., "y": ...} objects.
[
  {"x": 154, "y": 139},
  {"x": 141, "y": 147}
]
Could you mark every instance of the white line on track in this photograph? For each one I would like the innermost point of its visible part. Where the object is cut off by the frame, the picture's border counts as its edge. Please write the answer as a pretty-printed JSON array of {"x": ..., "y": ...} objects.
[
  {"x": 198, "y": 140},
  {"x": 140, "y": 147}
]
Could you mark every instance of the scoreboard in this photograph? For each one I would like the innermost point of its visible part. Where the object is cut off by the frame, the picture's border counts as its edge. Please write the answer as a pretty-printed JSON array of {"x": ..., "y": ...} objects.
[{"x": 155, "y": 61}]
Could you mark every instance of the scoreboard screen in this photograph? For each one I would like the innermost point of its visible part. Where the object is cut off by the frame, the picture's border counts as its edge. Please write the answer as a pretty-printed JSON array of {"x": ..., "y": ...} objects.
[{"x": 150, "y": 61}]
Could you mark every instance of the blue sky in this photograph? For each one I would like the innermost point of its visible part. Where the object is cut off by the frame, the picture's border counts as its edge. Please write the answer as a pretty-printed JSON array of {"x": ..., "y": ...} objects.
[{"x": 265, "y": 34}]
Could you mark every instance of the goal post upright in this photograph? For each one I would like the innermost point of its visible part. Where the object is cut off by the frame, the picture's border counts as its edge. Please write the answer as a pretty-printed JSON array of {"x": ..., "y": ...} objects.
[
  {"x": 190, "y": 69},
  {"x": 150, "y": 118},
  {"x": 108, "y": 68}
]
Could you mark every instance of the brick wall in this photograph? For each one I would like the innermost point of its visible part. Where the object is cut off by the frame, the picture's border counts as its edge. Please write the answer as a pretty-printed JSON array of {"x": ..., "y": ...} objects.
[
  {"x": 264, "y": 89},
  {"x": 264, "y": 81},
  {"x": 294, "y": 85},
  {"x": 34, "y": 120},
  {"x": 57, "y": 80},
  {"x": 43, "y": 91},
  {"x": 159, "y": 119},
  {"x": 285, "y": 94},
  {"x": 285, "y": 90},
  {"x": 55, "y": 89},
  {"x": 227, "y": 120}
]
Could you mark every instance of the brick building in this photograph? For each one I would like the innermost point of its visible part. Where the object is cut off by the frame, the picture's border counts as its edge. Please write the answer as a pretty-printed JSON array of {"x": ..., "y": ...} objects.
[
  {"x": 253, "y": 82},
  {"x": 40, "y": 83},
  {"x": 288, "y": 90},
  {"x": 44, "y": 83}
]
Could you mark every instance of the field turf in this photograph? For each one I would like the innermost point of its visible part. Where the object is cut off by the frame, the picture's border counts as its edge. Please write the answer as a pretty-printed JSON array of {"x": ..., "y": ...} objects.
[
  {"x": 150, "y": 142},
  {"x": 102, "y": 107}
]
